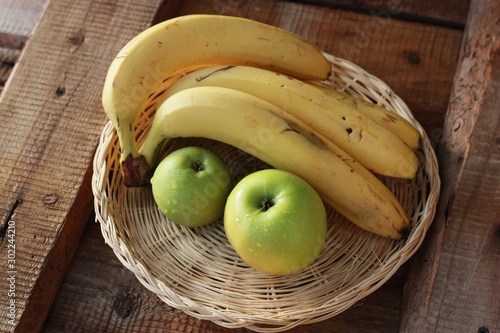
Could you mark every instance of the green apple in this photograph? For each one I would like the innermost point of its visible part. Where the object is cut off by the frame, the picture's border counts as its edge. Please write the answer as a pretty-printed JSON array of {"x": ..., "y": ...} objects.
[
  {"x": 275, "y": 221},
  {"x": 191, "y": 185}
]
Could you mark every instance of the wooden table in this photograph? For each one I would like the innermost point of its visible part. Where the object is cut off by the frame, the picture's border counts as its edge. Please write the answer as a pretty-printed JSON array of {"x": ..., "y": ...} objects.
[{"x": 442, "y": 58}]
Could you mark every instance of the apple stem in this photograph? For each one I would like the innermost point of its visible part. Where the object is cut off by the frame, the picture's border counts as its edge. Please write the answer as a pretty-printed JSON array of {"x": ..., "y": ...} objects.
[
  {"x": 266, "y": 204},
  {"x": 198, "y": 166}
]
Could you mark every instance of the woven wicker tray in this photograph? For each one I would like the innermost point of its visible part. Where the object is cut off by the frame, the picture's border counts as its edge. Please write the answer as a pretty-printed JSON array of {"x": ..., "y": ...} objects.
[{"x": 197, "y": 271}]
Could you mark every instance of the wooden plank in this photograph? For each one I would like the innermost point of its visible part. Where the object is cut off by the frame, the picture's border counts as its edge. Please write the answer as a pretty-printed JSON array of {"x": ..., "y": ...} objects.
[
  {"x": 19, "y": 17},
  {"x": 455, "y": 281},
  {"x": 50, "y": 120},
  {"x": 450, "y": 13},
  {"x": 100, "y": 295},
  {"x": 17, "y": 20}
]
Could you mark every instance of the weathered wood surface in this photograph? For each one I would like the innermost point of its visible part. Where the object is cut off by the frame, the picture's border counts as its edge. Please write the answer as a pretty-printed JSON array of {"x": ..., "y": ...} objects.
[
  {"x": 413, "y": 46},
  {"x": 50, "y": 118},
  {"x": 19, "y": 17},
  {"x": 454, "y": 285},
  {"x": 450, "y": 13},
  {"x": 17, "y": 21}
]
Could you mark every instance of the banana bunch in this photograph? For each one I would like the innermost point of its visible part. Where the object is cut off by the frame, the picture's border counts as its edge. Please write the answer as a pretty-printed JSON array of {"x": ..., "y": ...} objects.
[
  {"x": 256, "y": 87},
  {"x": 166, "y": 51}
]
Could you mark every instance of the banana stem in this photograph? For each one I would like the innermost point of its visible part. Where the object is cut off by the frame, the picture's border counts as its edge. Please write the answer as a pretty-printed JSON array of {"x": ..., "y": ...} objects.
[{"x": 136, "y": 171}]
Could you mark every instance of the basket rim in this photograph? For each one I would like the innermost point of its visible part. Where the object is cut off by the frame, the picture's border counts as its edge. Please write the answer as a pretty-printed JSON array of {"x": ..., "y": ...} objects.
[{"x": 227, "y": 318}]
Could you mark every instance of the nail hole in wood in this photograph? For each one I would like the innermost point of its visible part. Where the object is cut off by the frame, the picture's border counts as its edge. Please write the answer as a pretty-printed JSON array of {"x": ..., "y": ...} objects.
[{"x": 61, "y": 91}]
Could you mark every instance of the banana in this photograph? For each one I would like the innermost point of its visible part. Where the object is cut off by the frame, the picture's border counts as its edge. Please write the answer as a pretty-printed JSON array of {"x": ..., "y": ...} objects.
[
  {"x": 392, "y": 121},
  {"x": 186, "y": 43},
  {"x": 253, "y": 125},
  {"x": 371, "y": 144}
]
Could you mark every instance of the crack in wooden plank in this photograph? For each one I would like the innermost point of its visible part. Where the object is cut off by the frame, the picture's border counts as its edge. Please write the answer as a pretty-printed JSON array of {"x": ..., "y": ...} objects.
[{"x": 5, "y": 223}]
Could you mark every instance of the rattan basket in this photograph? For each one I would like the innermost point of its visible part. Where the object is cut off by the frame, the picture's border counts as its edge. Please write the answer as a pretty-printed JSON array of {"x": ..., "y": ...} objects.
[{"x": 197, "y": 271}]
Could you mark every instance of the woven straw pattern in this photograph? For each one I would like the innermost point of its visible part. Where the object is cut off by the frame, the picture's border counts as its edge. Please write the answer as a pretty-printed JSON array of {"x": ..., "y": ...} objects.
[{"x": 197, "y": 271}]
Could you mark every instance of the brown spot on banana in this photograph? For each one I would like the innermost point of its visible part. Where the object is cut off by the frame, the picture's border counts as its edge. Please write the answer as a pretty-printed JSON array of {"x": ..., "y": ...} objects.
[
  {"x": 290, "y": 129},
  {"x": 388, "y": 118},
  {"x": 201, "y": 78}
]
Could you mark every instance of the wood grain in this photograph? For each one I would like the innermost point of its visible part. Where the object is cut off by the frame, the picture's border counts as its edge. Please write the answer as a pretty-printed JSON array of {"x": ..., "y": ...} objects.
[
  {"x": 454, "y": 285},
  {"x": 17, "y": 21},
  {"x": 50, "y": 120},
  {"x": 19, "y": 17},
  {"x": 449, "y": 13}
]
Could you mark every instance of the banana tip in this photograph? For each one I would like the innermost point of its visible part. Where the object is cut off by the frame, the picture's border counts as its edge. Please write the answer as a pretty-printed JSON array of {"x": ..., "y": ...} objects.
[{"x": 405, "y": 232}]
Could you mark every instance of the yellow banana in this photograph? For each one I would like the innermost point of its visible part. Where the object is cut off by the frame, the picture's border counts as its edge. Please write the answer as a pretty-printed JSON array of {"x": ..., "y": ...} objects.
[
  {"x": 252, "y": 125},
  {"x": 392, "y": 121},
  {"x": 182, "y": 44},
  {"x": 368, "y": 142}
]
